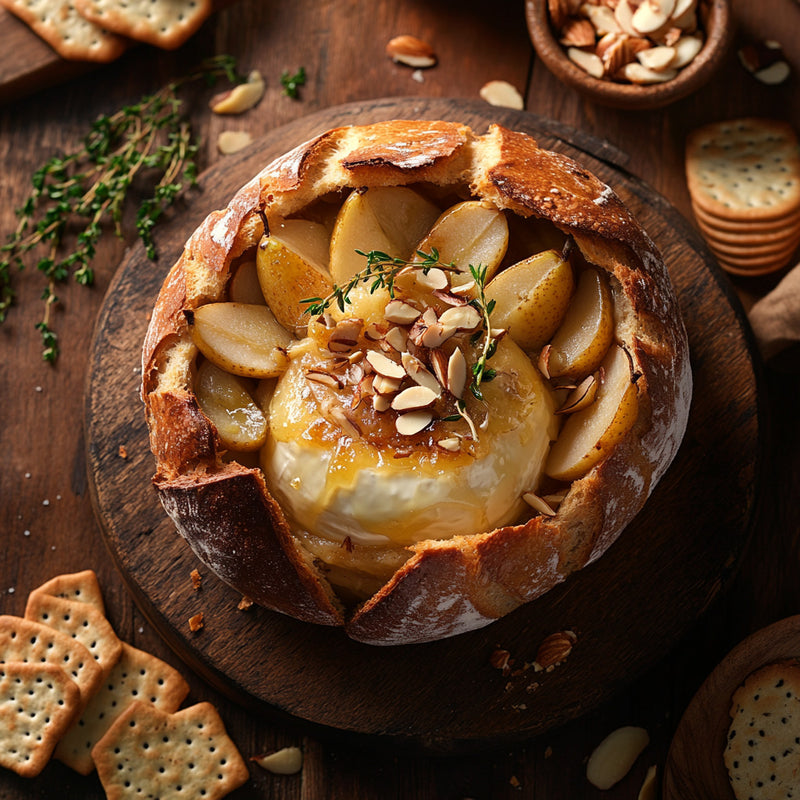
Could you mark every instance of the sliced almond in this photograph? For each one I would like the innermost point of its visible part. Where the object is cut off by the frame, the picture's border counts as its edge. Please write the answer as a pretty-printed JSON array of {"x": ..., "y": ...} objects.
[
  {"x": 375, "y": 331},
  {"x": 465, "y": 318},
  {"x": 578, "y": 33},
  {"x": 686, "y": 48},
  {"x": 383, "y": 385},
  {"x": 623, "y": 13},
  {"x": 418, "y": 373},
  {"x": 503, "y": 94},
  {"x": 345, "y": 335},
  {"x": 413, "y": 398},
  {"x": 384, "y": 366},
  {"x": 433, "y": 279},
  {"x": 381, "y": 403},
  {"x": 436, "y": 335},
  {"x": 411, "y": 51},
  {"x": 452, "y": 444},
  {"x": 345, "y": 421},
  {"x": 240, "y": 98},
  {"x": 400, "y": 312},
  {"x": 681, "y": 7},
  {"x": 652, "y": 15},
  {"x": 638, "y": 73},
  {"x": 456, "y": 373},
  {"x": 538, "y": 504},
  {"x": 582, "y": 396},
  {"x": 656, "y": 58},
  {"x": 587, "y": 61},
  {"x": 613, "y": 52},
  {"x": 439, "y": 366},
  {"x": 774, "y": 74},
  {"x": 286, "y": 761},
  {"x": 230, "y": 142},
  {"x": 649, "y": 790},
  {"x": 413, "y": 422},
  {"x": 602, "y": 19},
  {"x": 325, "y": 378},
  {"x": 544, "y": 361},
  {"x": 611, "y": 760},
  {"x": 397, "y": 338}
]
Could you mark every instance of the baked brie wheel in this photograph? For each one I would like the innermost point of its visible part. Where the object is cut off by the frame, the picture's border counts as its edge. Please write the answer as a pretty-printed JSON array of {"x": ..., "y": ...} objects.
[{"x": 411, "y": 378}]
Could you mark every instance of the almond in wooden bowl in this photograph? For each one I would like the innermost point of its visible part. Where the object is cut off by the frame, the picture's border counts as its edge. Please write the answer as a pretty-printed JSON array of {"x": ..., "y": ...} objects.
[
  {"x": 628, "y": 54},
  {"x": 359, "y": 379}
]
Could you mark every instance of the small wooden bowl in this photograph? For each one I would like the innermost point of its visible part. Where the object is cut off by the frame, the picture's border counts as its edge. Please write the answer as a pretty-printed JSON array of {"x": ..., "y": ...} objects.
[{"x": 716, "y": 22}]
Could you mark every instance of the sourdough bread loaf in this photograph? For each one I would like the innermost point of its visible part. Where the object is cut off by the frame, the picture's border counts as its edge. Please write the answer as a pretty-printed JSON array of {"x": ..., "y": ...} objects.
[{"x": 226, "y": 504}]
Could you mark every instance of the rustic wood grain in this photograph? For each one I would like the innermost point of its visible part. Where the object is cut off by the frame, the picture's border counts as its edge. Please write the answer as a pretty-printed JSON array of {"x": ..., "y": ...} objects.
[{"x": 663, "y": 573}]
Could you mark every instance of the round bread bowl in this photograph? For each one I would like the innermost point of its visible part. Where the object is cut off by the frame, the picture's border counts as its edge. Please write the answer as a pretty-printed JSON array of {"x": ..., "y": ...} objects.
[
  {"x": 716, "y": 21},
  {"x": 225, "y": 509}
]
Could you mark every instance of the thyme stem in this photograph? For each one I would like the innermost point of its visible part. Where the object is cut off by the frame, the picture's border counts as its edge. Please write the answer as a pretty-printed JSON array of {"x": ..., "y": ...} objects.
[{"x": 82, "y": 190}]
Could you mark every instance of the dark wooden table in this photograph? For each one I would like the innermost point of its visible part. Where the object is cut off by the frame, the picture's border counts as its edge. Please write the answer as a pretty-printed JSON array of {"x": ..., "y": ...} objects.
[{"x": 46, "y": 517}]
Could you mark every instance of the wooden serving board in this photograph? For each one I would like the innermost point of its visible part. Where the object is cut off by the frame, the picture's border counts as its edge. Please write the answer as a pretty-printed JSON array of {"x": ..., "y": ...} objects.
[
  {"x": 627, "y": 609},
  {"x": 695, "y": 772}
]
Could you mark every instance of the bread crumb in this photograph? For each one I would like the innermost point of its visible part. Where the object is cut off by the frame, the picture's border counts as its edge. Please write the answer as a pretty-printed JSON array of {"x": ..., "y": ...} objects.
[
  {"x": 245, "y": 604},
  {"x": 196, "y": 622},
  {"x": 123, "y": 453},
  {"x": 196, "y": 580}
]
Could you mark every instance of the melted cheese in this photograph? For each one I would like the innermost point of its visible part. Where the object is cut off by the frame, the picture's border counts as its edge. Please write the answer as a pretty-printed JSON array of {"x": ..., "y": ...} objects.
[{"x": 337, "y": 482}]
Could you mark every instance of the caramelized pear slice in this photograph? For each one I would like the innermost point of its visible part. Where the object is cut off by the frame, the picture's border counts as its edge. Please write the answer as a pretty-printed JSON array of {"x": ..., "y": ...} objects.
[
  {"x": 589, "y": 435},
  {"x": 244, "y": 286},
  {"x": 469, "y": 233},
  {"x": 531, "y": 298},
  {"x": 582, "y": 340},
  {"x": 240, "y": 338},
  {"x": 390, "y": 219},
  {"x": 288, "y": 277},
  {"x": 226, "y": 401}
]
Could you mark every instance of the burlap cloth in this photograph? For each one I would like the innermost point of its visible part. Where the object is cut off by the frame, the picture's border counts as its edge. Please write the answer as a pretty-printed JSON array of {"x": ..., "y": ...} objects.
[{"x": 775, "y": 318}]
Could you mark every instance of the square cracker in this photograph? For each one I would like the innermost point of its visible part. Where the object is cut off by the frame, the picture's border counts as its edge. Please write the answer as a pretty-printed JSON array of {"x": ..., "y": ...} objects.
[
  {"x": 38, "y": 702},
  {"x": 81, "y": 621},
  {"x": 149, "y": 753},
  {"x": 31, "y": 642},
  {"x": 762, "y": 754},
  {"x": 82, "y": 586},
  {"x": 136, "y": 676},
  {"x": 744, "y": 169},
  {"x": 72, "y": 36},
  {"x": 163, "y": 23}
]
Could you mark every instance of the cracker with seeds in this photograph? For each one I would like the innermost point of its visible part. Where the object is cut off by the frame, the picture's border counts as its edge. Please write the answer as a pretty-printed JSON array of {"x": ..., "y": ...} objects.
[
  {"x": 82, "y": 586},
  {"x": 38, "y": 702},
  {"x": 136, "y": 676},
  {"x": 71, "y": 35},
  {"x": 762, "y": 754},
  {"x": 150, "y": 753},
  {"x": 31, "y": 642},
  {"x": 744, "y": 169},
  {"x": 166, "y": 23},
  {"x": 81, "y": 621}
]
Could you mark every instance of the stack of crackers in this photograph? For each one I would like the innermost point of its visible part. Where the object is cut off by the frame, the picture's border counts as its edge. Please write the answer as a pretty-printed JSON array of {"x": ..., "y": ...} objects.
[
  {"x": 70, "y": 688},
  {"x": 744, "y": 180},
  {"x": 101, "y": 30},
  {"x": 762, "y": 754}
]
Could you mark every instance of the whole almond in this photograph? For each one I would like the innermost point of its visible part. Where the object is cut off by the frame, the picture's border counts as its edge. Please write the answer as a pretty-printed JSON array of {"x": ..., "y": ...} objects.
[
  {"x": 411, "y": 51},
  {"x": 555, "y": 649}
]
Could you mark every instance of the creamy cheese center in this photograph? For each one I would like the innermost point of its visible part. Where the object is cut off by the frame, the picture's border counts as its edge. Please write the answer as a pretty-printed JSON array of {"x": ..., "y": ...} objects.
[{"x": 340, "y": 469}]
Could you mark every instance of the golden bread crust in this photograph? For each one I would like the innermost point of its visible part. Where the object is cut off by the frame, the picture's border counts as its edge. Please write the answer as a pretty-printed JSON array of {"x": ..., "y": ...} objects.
[{"x": 226, "y": 512}]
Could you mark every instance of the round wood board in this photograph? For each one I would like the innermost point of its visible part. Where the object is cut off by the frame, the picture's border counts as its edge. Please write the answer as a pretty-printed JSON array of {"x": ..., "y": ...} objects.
[
  {"x": 627, "y": 609},
  {"x": 690, "y": 772}
]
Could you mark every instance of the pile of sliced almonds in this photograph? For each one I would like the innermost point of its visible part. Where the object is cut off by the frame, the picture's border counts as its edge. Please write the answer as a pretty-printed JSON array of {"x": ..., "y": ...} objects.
[{"x": 627, "y": 41}]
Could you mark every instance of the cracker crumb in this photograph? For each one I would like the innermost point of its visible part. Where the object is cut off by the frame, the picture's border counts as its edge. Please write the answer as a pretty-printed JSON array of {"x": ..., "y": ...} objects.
[
  {"x": 245, "y": 604},
  {"x": 196, "y": 580},
  {"x": 196, "y": 622},
  {"x": 123, "y": 453}
]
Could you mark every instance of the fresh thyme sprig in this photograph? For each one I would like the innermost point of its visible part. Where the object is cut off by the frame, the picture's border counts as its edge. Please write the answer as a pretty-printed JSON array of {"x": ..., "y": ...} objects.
[
  {"x": 292, "y": 83},
  {"x": 84, "y": 189},
  {"x": 380, "y": 273}
]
